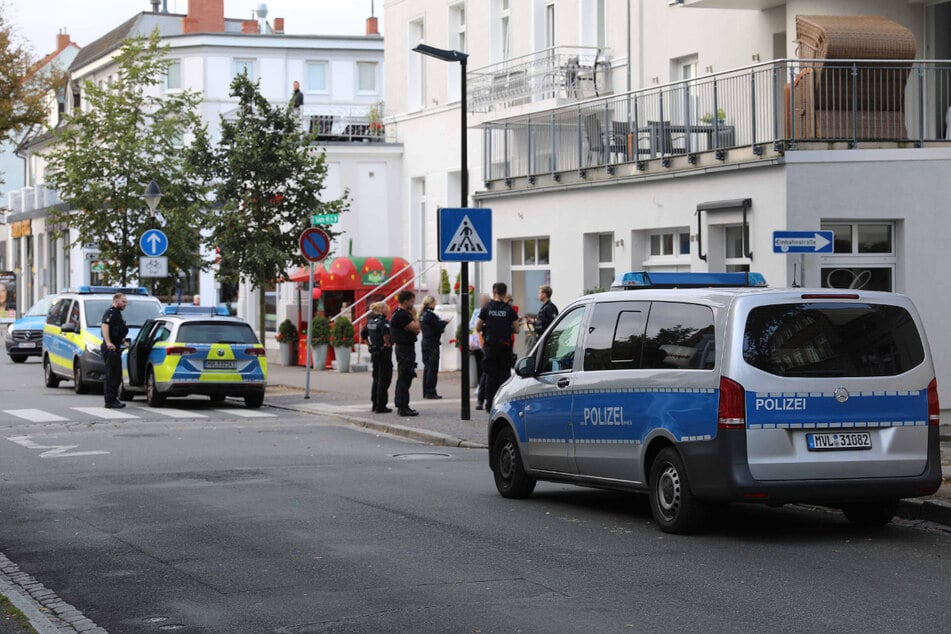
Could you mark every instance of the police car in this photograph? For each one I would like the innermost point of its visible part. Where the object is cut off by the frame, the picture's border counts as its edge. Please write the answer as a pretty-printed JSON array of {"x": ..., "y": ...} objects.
[
  {"x": 725, "y": 392},
  {"x": 178, "y": 355},
  {"x": 72, "y": 337},
  {"x": 25, "y": 336}
]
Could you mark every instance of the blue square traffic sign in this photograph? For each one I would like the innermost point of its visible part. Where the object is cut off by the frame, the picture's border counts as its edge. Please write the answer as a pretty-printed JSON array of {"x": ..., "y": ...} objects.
[{"x": 465, "y": 234}]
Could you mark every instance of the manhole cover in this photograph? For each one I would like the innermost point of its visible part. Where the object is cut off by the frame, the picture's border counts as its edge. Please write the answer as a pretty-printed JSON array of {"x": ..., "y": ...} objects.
[{"x": 421, "y": 456}]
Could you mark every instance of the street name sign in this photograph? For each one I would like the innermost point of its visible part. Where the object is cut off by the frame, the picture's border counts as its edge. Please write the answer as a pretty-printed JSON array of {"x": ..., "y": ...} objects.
[
  {"x": 314, "y": 244},
  {"x": 153, "y": 243},
  {"x": 803, "y": 241},
  {"x": 153, "y": 267},
  {"x": 465, "y": 234},
  {"x": 325, "y": 219}
]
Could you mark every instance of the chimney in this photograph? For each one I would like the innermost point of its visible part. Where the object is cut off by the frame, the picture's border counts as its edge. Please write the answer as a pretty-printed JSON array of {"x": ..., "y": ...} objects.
[
  {"x": 155, "y": 5},
  {"x": 62, "y": 40},
  {"x": 279, "y": 26},
  {"x": 373, "y": 26},
  {"x": 250, "y": 26},
  {"x": 204, "y": 16}
]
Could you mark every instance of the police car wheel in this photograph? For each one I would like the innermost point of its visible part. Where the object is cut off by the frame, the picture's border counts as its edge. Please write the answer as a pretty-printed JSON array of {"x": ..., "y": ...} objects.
[
  {"x": 18, "y": 358},
  {"x": 152, "y": 395},
  {"x": 217, "y": 398},
  {"x": 79, "y": 384},
  {"x": 673, "y": 506},
  {"x": 254, "y": 400},
  {"x": 510, "y": 477},
  {"x": 870, "y": 514},
  {"x": 49, "y": 377}
]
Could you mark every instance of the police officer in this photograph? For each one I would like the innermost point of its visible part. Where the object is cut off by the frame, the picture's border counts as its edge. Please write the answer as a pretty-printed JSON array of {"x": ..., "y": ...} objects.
[
  {"x": 431, "y": 328},
  {"x": 114, "y": 332},
  {"x": 497, "y": 322},
  {"x": 404, "y": 327},
  {"x": 548, "y": 311},
  {"x": 377, "y": 335}
]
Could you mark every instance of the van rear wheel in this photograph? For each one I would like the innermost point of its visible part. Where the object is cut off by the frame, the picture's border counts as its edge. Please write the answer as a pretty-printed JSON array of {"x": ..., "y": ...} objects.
[
  {"x": 673, "y": 505},
  {"x": 870, "y": 514}
]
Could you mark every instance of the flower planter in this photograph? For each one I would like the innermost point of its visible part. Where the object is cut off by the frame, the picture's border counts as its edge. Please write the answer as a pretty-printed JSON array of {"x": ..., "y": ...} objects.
[
  {"x": 342, "y": 354},
  {"x": 288, "y": 351},
  {"x": 319, "y": 353}
]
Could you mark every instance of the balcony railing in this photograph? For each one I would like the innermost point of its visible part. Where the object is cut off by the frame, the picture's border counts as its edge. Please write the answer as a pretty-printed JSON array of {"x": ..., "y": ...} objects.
[
  {"x": 344, "y": 123},
  {"x": 562, "y": 72},
  {"x": 774, "y": 106},
  {"x": 30, "y": 198}
]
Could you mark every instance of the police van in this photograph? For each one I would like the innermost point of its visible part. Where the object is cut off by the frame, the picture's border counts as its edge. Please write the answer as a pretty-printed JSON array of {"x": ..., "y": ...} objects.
[{"x": 708, "y": 388}]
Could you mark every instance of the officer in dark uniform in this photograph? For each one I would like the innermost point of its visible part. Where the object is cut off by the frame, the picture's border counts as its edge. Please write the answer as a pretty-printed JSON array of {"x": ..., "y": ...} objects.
[
  {"x": 114, "y": 332},
  {"x": 497, "y": 321},
  {"x": 377, "y": 335},
  {"x": 431, "y": 328},
  {"x": 548, "y": 311},
  {"x": 404, "y": 327}
]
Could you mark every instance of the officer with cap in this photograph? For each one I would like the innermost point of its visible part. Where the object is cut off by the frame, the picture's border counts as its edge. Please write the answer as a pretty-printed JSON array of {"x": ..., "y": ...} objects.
[
  {"x": 497, "y": 321},
  {"x": 377, "y": 334}
]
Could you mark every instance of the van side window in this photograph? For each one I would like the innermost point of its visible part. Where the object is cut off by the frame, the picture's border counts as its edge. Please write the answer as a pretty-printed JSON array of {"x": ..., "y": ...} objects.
[
  {"x": 74, "y": 314},
  {"x": 679, "y": 337},
  {"x": 615, "y": 336},
  {"x": 58, "y": 312},
  {"x": 558, "y": 354}
]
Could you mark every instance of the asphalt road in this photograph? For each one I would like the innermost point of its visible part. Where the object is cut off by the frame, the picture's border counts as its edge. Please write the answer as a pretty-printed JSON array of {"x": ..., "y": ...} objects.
[{"x": 288, "y": 522}]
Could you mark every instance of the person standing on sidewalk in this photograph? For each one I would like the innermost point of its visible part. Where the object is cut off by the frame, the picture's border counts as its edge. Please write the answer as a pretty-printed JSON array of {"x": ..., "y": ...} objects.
[
  {"x": 475, "y": 349},
  {"x": 114, "y": 331},
  {"x": 404, "y": 327},
  {"x": 377, "y": 335},
  {"x": 497, "y": 322},
  {"x": 547, "y": 313},
  {"x": 431, "y": 328}
]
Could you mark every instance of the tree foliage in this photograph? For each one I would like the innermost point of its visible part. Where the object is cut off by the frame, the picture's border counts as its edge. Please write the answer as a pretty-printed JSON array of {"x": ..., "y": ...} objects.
[
  {"x": 127, "y": 135},
  {"x": 268, "y": 183}
]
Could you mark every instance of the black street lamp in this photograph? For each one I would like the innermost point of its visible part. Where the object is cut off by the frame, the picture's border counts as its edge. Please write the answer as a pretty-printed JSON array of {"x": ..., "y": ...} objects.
[
  {"x": 152, "y": 196},
  {"x": 457, "y": 56}
]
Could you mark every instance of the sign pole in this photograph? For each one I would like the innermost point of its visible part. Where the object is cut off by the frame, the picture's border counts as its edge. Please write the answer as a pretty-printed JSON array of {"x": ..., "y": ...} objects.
[
  {"x": 310, "y": 320},
  {"x": 314, "y": 246},
  {"x": 464, "y": 267}
]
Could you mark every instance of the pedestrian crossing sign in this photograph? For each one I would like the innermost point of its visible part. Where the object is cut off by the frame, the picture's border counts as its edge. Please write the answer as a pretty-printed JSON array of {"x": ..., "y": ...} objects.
[{"x": 465, "y": 234}]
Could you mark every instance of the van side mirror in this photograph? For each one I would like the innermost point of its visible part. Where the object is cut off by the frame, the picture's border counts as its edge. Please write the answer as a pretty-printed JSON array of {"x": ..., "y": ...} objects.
[
  {"x": 69, "y": 327},
  {"x": 525, "y": 367}
]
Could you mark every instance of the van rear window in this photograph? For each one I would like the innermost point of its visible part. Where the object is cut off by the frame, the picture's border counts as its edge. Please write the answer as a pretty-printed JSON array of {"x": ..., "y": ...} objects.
[{"x": 832, "y": 339}]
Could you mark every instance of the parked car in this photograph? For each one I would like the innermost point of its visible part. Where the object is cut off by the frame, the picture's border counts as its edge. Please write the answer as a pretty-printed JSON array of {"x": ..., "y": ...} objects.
[
  {"x": 178, "y": 355},
  {"x": 25, "y": 335}
]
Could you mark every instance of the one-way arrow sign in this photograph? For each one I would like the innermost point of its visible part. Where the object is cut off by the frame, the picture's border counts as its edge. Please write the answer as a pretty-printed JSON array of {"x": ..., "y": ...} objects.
[
  {"x": 153, "y": 243},
  {"x": 803, "y": 241}
]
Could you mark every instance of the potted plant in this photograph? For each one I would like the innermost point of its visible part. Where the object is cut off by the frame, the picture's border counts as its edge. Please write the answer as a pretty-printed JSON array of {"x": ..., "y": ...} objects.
[
  {"x": 444, "y": 288},
  {"x": 342, "y": 341},
  {"x": 375, "y": 119},
  {"x": 287, "y": 339},
  {"x": 708, "y": 117},
  {"x": 319, "y": 341}
]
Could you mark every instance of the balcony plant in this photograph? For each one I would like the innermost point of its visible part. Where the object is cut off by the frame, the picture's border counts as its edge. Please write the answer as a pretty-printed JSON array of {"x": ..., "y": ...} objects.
[
  {"x": 319, "y": 341},
  {"x": 286, "y": 337},
  {"x": 375, "y": 119},
  {"x": 708, "y": 117},
  {"x": 342, "y": 341}
]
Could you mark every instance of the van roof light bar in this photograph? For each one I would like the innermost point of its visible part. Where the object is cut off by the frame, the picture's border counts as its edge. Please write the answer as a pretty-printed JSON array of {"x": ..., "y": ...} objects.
[
  {"x": 128, "y": 290},
  {"x": 642, "y": 279}
]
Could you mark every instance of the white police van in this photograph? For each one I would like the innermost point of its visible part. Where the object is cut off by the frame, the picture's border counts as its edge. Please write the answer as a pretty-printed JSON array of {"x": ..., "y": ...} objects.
[{"x": 707, "y": 388}]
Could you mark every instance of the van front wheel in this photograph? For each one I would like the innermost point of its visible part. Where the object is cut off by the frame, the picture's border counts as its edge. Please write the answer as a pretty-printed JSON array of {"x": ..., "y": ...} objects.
[
  {"x": 870, "y": 514},
  {"x": 673, "y": 505},
  {"x": 510, "y": 477}
]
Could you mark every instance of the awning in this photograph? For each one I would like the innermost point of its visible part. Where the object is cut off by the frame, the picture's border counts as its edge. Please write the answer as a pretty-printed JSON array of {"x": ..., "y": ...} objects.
[{"x": 357, "y": 273}]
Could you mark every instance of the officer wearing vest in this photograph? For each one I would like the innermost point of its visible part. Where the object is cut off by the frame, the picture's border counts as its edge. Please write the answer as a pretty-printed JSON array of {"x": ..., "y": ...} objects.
[
  {"x": 114, "y": 331},
  {"x": 377, "y": 335},
  {"x": 497, "y": 321},
  {"x": 404, "y": 327}
]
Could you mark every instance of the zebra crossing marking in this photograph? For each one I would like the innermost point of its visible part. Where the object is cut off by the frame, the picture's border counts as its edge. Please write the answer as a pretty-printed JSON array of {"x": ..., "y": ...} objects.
[
  {"x": 246, "y": 413},
  {"x": 35, "y": 415},
  {"x": 105, "y": 412}
]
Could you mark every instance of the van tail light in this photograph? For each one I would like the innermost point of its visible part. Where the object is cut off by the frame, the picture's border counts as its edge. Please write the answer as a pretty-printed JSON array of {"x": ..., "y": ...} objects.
[
  {"x": 934, "y": 407},
  {"x": 732, "y": 410},
  {"x": 180, "y": 350},
  {"x": 254, "y": 352}
]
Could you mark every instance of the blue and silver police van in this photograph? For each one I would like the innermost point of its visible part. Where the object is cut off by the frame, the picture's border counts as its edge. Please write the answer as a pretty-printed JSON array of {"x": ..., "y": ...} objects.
[{"x": 703, "y": 388}]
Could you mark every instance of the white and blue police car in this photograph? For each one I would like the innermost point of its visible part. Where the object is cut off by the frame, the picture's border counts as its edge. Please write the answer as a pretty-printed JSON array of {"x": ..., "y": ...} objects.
[{"x": 708, "y": 388}]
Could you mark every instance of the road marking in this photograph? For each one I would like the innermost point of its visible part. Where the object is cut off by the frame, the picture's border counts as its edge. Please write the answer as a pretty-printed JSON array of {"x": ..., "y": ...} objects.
[
  {"x": 246, "y": 413},
  {"x": 104, "y": 412},
  {"x": 34, "y": 415},
  {"x": 170, "y": 412},
  {"x": 336, "y": 409},
  {"x": 53, "y": 451}
]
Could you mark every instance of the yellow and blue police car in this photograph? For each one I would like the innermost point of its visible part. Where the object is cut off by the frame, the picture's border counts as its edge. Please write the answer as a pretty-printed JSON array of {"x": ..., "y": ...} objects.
[
  {"x": 72, "y": 337},
  {"x": 183, "y": 354}
]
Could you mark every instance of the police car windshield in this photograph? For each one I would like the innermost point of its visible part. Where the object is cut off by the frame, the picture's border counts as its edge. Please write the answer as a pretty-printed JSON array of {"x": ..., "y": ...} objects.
[
  {"x": 136, "y": 312},
  {"x": 216, "y": 332},
  {"x": 827, "y": 339},
  {"x": 40, "y": 308}
]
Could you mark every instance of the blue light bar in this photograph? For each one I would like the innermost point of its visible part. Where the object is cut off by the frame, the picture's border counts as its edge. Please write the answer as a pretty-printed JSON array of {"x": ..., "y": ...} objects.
[
  {"x": 188, "y": 309},
  {"x": 643, "y": 279},
  {"x": 128, "y": 290}
]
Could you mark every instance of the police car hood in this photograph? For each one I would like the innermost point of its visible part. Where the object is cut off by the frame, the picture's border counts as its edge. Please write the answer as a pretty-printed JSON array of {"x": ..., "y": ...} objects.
[{"x": 33, "y": 322}]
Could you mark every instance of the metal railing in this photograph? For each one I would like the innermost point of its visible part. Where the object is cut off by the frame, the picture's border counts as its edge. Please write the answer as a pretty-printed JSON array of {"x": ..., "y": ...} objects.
[
  {"x": 344, "y": 123},
  {"x": 779, "y": 103},
  {"x": 565, "y": 72}
]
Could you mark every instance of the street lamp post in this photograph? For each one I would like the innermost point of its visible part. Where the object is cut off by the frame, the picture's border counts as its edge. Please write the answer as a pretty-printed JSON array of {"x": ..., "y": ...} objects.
[
  {"x": 153, "y": 196},
  {"x": 457, "y": 56}
]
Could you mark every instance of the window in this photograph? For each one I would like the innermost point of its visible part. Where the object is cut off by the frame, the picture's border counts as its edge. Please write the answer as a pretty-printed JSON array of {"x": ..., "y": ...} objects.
[
  {"x": 530, "y": 252},
  {"x": 316, "y": 77},
  {"x": 457, "y": 26},
  {"x": 244, "y": 66},
  {"x": 415, "y": 98},
  {"x": 550, "y": 25},
  {"x": 366, "y": 76},
  {"x": 679, "y": 336},
  {"x": 615, "y": 336},
  {"x": 558, "y": 352},
  {"x": 863, "y": 256},
  {"x": 58, "y": 312},
  {"x": 602, "y": 23},
  {"x": 505, "y": 35},
  {"x": 605, "y": 260},
  {"x": 173, "y": 76},
  {"x": 736, "y": 238},
  {"x": 529, "y": 259},
  {"x": 670, "y": 244}
]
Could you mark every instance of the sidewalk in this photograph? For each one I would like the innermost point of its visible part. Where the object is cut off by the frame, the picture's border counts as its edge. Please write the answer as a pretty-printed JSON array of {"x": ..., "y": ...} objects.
[{"x": 347, "y": 396}]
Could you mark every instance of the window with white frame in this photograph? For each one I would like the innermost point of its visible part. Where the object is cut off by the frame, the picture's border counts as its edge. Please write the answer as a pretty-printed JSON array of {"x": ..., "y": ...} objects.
[
  {"x": 550, "y": 25},
  {"x": 530, "y": 269},
  {"x": 366, "y": 76},
  {"x": 415, "y": 93},
  {"x": 735, "y": 238},
  {"x": 605, "y": 260},
  {"x": 173, "y": 76},
  {"x": 244, "y": 67},
  {"x": 457, "y": 26},
  {"x": 602, "y": 23},
  {"x": 863, "y": 256},
  {"x": 668, "y": 247},
  {"x": 505, "y": 36},
  {"x": 315, "y": 78}
]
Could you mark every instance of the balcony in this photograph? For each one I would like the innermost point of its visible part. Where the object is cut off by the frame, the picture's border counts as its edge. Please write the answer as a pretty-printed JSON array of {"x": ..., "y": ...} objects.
[
  {"x": 564, "y": 73},
  {"x": 748, "y": 114},
  {"x": 31, "y": 198},
  {"x": 344, "y": 123}
]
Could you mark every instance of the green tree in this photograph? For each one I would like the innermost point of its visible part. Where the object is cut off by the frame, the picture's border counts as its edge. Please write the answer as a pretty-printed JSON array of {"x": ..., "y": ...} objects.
[
  {"x": 268, "y": 182},
  {"x": 105, "y": 155}
]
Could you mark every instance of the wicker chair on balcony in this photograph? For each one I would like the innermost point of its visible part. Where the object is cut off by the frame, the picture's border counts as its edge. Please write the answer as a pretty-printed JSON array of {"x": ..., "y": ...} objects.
[{"x": 825, "y": 94}]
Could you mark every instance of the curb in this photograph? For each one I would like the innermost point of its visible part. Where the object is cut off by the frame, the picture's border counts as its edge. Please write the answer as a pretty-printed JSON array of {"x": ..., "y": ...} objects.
[
  {"x": 404, "y": 431},
  {"x": 936, "y": 511}
]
